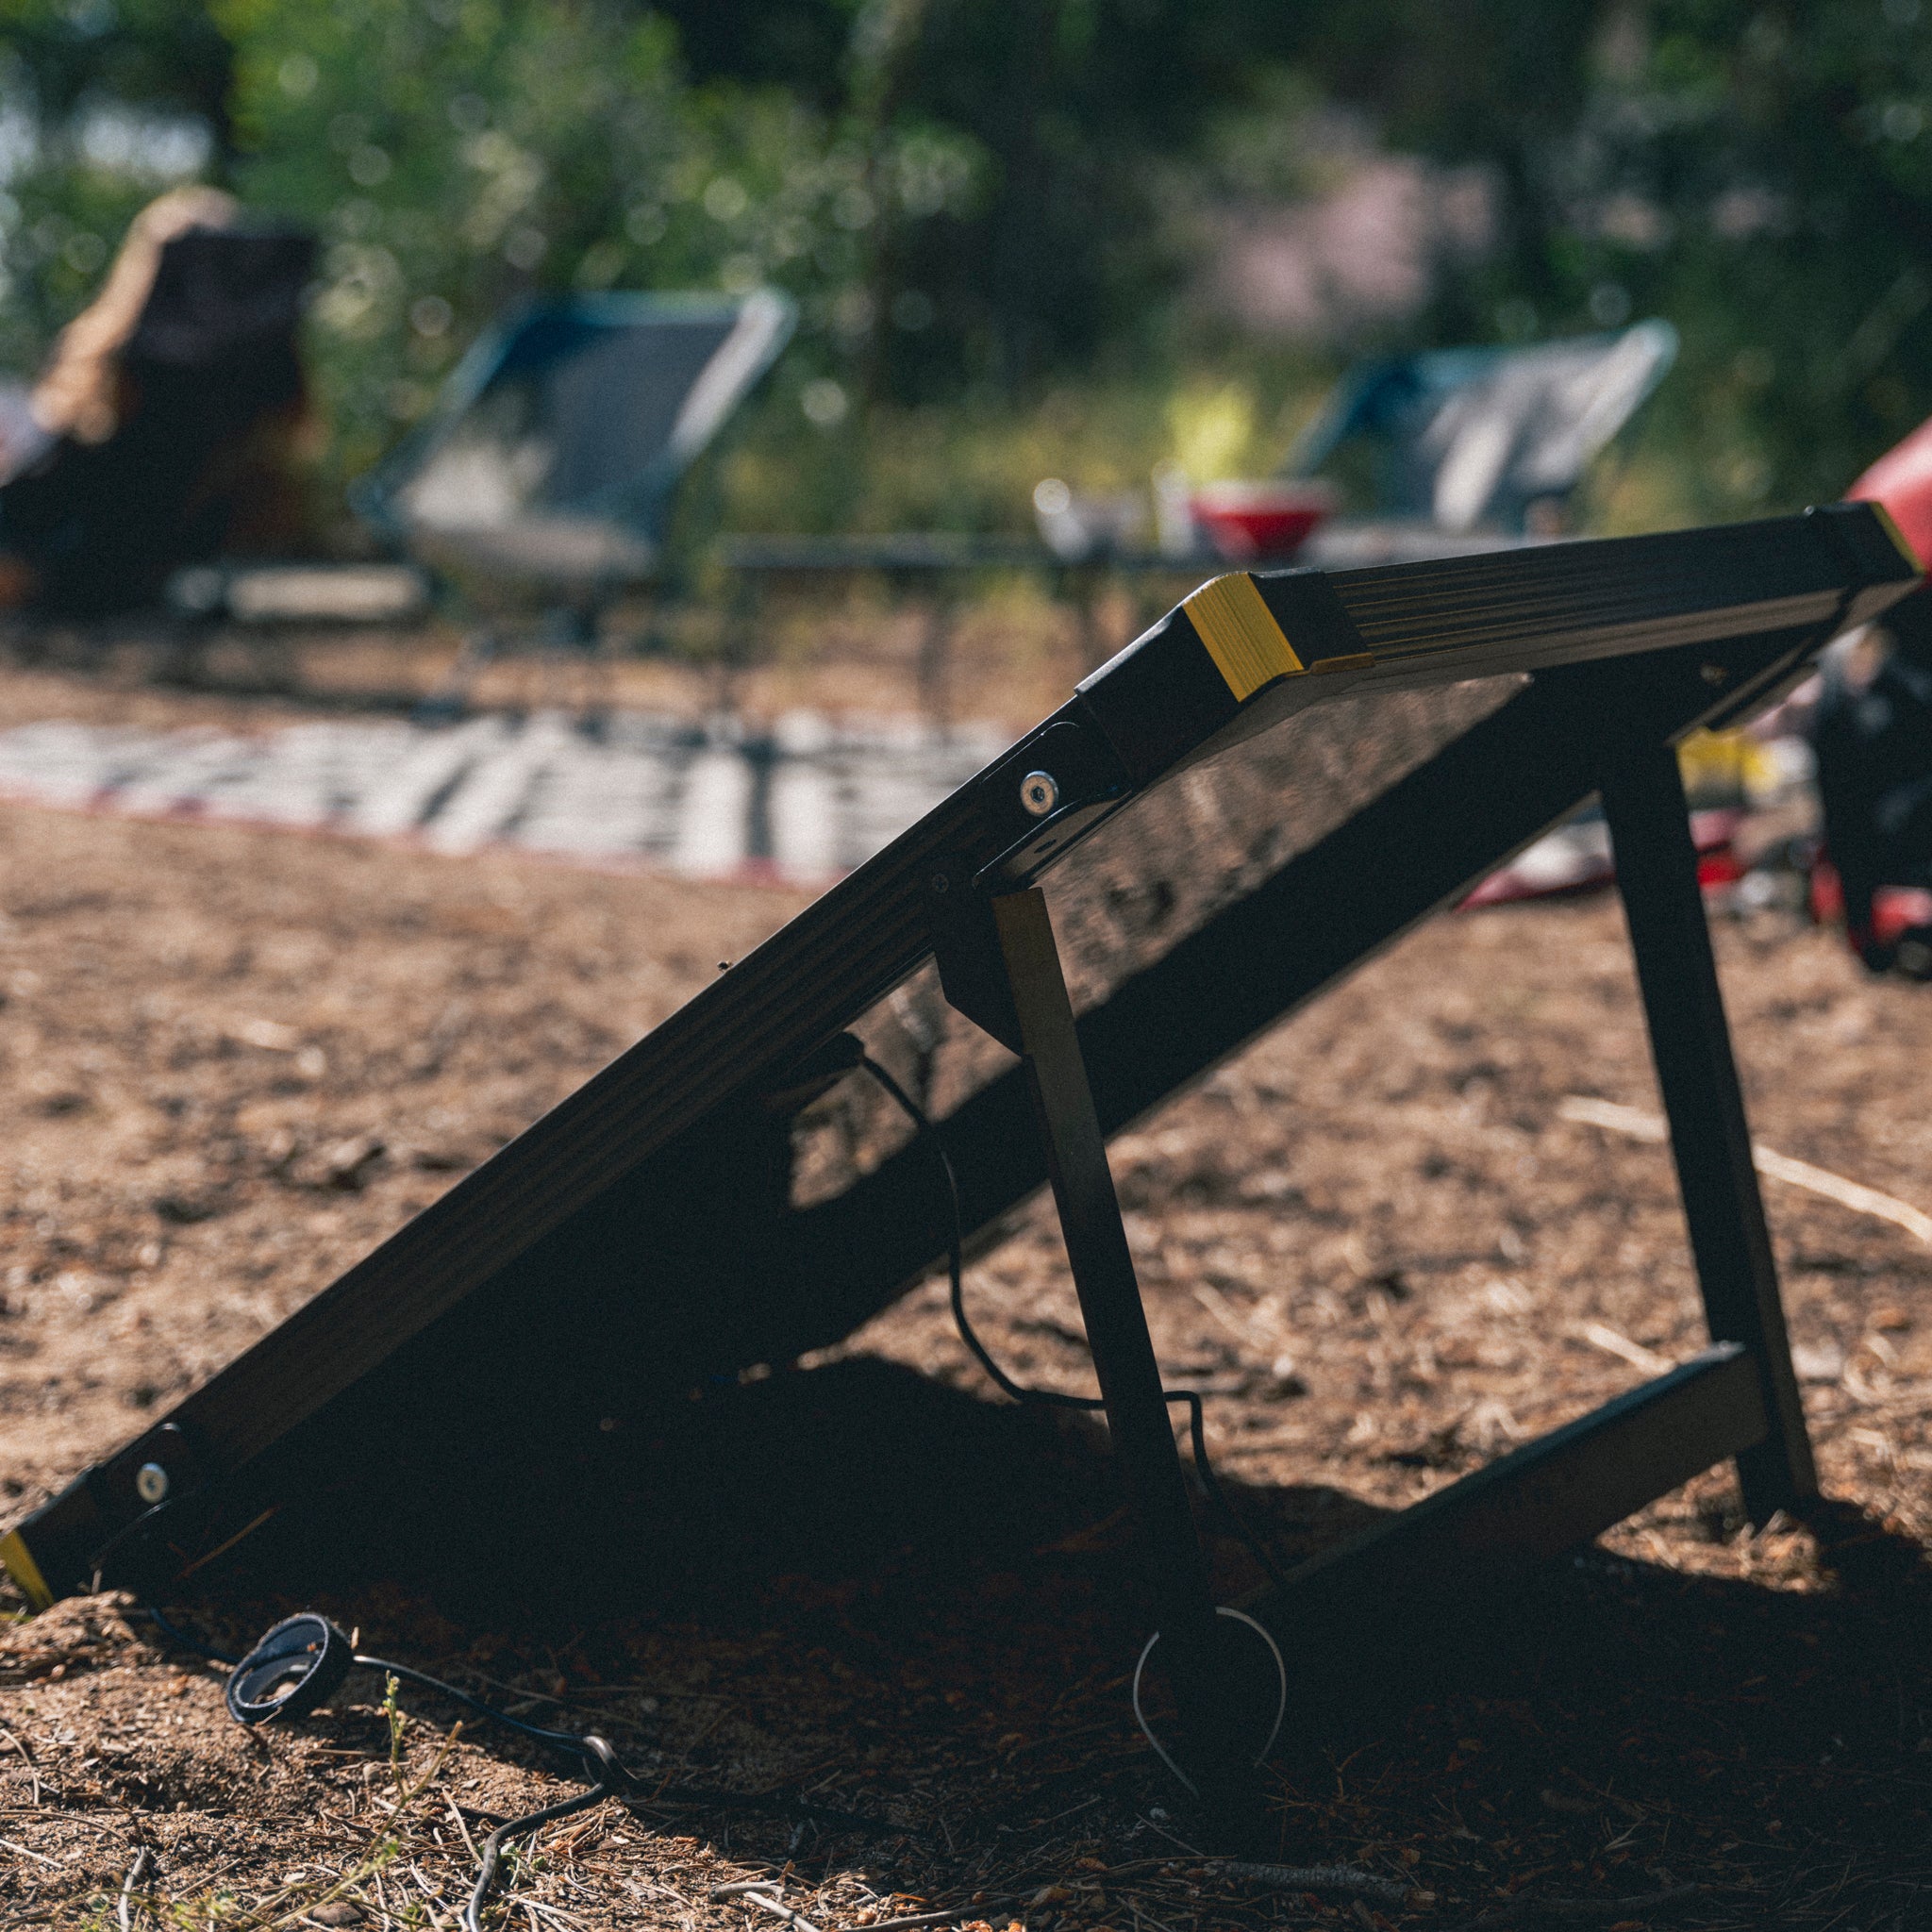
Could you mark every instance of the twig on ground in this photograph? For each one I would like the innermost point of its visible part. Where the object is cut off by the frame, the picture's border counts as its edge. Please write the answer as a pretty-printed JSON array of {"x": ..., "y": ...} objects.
[
  {"x": 538, "y": 1910},
  {"x": 1601, "y": 1335},
  {"x": 912, "y": 1918},
  {"x": 1350, "y": 1880},
  {"x": 738, "y": 1886},
  {"x": 1639, "y": 1125},
  {"x": 26, "y": 1850},
  {"x": 389, "y": 1844},
  {"x": 765, "y": 1900},
  {"x": 457, "y": 1816},
  {"x": 649, "y": 1888},
  {"x": 1852, "y": 1195},
  {"x": 33, "y": 1769},
  {"x": 127, "y": 1885},
  {"x": 1578, "y": 1911},
  {"x": 114, "y": 1828},
  {"x": 579, "y": 1694},
  {"x": 1147, "y": 1824}
]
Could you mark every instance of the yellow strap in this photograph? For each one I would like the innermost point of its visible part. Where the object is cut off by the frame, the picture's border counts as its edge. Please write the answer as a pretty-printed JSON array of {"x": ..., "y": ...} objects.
[
  {"x": 26, "y": 1572},
  {"x": 1248, "y": 647}
]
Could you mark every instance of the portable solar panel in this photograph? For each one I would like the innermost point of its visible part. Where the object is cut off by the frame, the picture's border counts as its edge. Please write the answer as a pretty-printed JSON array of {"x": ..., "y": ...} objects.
[{"x": 1282, "y": 776}]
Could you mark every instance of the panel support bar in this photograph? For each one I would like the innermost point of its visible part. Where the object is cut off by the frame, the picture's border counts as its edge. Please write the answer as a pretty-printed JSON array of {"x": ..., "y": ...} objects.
[
  {"x": 1551, "y": 1495},
  {"x": 1657, "y": 873},
  {"x": 1215, "y": 1733}
]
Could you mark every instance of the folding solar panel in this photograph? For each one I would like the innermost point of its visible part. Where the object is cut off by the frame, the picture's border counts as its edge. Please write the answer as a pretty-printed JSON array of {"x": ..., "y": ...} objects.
[{"x": 1282, "y": 776}]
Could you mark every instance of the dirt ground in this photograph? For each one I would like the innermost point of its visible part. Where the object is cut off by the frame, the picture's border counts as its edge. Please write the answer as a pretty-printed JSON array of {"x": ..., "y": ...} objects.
[
  {"x": 231, "y": 1061},
  {"x": 1008, "y": 655}
]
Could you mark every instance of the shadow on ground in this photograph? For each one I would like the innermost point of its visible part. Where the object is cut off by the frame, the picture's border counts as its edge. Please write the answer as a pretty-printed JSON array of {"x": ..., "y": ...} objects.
[{"x": 923, "y": 1607}]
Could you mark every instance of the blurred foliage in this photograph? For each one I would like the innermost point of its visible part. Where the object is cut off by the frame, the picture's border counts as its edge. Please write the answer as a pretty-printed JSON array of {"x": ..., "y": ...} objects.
[
  {"x": 1083, "y": 110},
  {"x": 1758, "y": 170},
  {"x": 971, "y": 463},
  {"x": 103, "y": 103},
  {"x": 995, "y": 215},
  {"x": 457, "y": 153}
]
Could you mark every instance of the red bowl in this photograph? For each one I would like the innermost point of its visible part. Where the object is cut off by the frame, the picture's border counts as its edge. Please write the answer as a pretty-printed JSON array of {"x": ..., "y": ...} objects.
[{"x": 1244, "y": 521}]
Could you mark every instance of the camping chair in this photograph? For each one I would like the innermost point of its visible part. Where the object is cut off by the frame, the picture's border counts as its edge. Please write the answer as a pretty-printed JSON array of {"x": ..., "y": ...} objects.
[
  {"x": 1494, "y": 436},
  {"x": 157, "y": 436},
  {"x": 547, "y": 472}
]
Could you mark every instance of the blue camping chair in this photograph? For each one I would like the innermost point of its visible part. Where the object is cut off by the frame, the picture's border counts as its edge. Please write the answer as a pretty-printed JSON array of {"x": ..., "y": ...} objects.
[
  {"x": 547, "y": 472},
  {"x": 1496, "y": 438}
]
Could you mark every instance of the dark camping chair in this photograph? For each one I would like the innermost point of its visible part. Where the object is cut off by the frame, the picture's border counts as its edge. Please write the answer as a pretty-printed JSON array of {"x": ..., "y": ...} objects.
[
  {"x": 1872, "y": 736},
  {"x": 1496, "y": 437},
  {"x": 546, "y": 475},
  {"x": 1872, "y": 732},
  {"x": 180, "y": 384}
]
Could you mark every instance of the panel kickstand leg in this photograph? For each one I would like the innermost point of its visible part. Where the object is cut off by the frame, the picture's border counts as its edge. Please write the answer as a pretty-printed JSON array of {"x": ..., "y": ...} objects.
[
  {"x": 1657, "y": 873},
  {"x": 1217, "y": 1739}
]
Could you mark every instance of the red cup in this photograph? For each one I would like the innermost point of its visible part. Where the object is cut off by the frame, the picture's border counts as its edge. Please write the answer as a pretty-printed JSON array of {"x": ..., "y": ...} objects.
[{"x": 1247, "y": 521}]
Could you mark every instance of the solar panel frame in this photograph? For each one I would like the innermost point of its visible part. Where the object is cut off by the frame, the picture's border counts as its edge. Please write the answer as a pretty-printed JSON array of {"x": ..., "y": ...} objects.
[{"x": 1686, "y": 627}]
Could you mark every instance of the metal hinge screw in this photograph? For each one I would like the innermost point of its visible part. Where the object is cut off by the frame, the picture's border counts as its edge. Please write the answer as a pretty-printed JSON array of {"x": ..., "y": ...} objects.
[
  {"x": 151, "y": 1483},
  {"x": 1039, "y": 792}
]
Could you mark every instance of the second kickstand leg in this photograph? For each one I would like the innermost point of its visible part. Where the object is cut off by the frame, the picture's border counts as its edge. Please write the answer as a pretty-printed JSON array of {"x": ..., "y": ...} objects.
[
  {"x": 1690, "y": 1043},
  {"x": 1217, "y": 1737}
]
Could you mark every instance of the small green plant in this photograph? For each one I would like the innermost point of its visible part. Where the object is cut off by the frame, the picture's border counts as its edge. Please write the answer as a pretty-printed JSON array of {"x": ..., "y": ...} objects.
[{"x": 398, "y": 1722}]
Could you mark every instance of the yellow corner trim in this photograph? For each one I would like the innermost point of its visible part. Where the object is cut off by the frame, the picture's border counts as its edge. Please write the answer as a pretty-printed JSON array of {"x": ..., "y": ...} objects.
[
  {"x": 1248, "y": 647},
  {"x": 26, "y": 1572}
]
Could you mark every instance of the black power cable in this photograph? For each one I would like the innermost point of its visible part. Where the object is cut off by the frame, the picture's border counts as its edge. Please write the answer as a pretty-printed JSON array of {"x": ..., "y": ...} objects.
[
  {"x": 304, "y": 1658},
  {"x": 1052, "y": 1398},
  {"x": 607, "y": 1778}
]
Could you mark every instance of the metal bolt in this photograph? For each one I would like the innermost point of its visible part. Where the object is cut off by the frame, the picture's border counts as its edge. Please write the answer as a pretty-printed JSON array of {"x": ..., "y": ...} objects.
[
  {"x": 941, "y": 883},
  {"x": 151, "y": 1483},
  {"x": 1039, "y": 792}
]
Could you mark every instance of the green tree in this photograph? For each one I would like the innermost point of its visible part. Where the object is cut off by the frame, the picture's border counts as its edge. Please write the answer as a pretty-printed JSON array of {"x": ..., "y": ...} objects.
[
  {"x": 1758, "y": 170},
  {"x": 452, "y": 156},
  {"x": 457, "y": 153},
  {"x": 1080, "y": 113},
  {"x": 1786, "y": 151},
  {"x": 105, "y": 103}
]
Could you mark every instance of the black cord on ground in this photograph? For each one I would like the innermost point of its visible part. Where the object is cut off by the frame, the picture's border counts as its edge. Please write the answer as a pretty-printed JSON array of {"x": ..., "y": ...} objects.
[
  {"x": 493, "y": 1845},
  {"x": 569, "y": 1741},
  {"x": 1052, "y": 1398},
  {"x": 566, "y": 1741},
  {"x": 272, "y": 1674},
  {"x": 596, "y": 1761}
]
